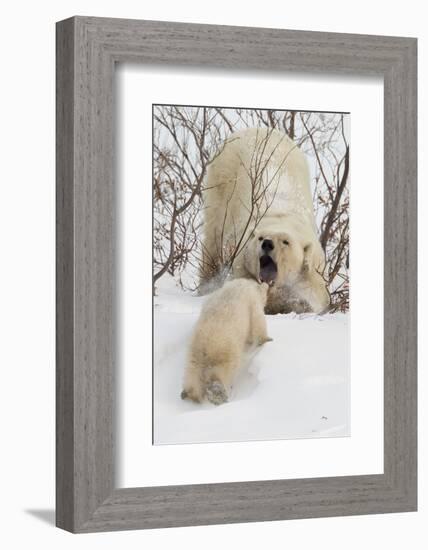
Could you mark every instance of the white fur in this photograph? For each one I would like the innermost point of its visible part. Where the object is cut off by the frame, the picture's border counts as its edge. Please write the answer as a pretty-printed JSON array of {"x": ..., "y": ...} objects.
[
  {"x": 231, "y": 321},
  {"x": 268, "y": 165}
]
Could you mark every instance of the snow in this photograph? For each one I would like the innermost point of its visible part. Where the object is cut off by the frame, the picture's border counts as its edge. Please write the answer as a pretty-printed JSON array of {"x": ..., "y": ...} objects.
[{"x": 297, "y": 386}]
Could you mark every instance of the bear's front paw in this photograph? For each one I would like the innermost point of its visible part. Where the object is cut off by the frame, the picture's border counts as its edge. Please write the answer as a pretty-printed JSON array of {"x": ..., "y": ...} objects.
[{"x": 216, "y": 393}]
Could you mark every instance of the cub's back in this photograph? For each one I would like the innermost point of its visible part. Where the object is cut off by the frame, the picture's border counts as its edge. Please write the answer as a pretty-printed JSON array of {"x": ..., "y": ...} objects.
[{"x": 225, "y": 316}]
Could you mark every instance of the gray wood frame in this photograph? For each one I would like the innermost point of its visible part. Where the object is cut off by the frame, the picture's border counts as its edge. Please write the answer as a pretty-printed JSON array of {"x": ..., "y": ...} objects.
[{"x": 87, "y": 50}]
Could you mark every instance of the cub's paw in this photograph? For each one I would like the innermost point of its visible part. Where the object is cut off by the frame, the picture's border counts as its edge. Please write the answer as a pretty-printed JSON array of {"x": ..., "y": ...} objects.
[
  {"x": 264, "y": 340},
  {"x": 190, "y": 394},
  {"x": 216, "y": 393}
]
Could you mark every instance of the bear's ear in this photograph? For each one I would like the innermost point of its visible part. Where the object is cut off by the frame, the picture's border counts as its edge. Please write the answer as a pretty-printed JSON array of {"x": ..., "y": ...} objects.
[{"x": 313, "y": 258}]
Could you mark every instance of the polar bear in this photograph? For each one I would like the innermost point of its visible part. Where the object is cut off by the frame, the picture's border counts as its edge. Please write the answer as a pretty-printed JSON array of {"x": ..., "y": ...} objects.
[
  {"x": 232, "y": 320},
  {"x": 259, "y": 219}
]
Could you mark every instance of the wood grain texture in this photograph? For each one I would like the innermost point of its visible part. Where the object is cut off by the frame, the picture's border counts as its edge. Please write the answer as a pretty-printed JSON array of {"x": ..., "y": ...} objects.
[
  {"x": 64, "y": 277},
  {"x": 87, "y": 50}
]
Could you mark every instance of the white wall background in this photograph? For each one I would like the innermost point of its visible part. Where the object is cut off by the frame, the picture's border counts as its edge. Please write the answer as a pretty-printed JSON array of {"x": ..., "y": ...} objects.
[{"x": 27, "y": 273}]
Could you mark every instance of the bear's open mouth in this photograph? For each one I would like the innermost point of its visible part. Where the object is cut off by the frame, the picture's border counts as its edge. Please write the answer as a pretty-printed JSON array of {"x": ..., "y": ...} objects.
[{"x": 268, "y": 270}]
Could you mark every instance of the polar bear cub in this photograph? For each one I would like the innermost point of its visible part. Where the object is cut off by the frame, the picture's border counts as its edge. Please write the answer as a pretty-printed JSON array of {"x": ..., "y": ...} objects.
[{"x": 232, "y": 321}]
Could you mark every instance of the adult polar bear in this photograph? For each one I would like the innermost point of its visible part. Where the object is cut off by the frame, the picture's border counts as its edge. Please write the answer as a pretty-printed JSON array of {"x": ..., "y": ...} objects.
[{"x": 258, "y": 214}]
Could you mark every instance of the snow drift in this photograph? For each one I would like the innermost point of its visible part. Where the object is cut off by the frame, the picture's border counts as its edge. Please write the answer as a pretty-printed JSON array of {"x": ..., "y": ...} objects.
[{"x": 297, "y": 386}]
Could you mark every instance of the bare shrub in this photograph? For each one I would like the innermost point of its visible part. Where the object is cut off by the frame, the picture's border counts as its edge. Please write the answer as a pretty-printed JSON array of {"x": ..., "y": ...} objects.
[{"x": 186, "y": 139}]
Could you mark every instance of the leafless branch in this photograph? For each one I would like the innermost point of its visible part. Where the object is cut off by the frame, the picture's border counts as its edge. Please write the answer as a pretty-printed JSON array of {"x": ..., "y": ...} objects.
[{"x": 187, "y": 139}]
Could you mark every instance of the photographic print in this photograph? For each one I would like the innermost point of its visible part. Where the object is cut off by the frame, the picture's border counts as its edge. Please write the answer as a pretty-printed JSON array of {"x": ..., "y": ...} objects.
[{"x": 250, "y": 274}]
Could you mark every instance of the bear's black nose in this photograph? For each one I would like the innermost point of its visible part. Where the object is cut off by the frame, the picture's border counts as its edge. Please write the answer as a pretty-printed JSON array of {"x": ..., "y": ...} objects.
[{"x": 267, "y": 245}]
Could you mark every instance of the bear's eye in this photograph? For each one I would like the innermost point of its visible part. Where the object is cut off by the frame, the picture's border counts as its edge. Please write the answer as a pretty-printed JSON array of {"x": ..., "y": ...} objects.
[
  {"x": 260, "y": 238},
  {"x": 285, "y": 242}
]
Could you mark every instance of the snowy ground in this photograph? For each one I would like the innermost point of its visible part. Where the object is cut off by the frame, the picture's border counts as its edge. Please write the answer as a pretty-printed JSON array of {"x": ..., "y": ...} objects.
[{"x": 294, "y": 387}]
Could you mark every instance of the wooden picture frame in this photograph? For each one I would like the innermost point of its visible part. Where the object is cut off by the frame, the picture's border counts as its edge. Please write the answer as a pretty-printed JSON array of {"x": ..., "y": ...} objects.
[{"x": 87, "y": 50}]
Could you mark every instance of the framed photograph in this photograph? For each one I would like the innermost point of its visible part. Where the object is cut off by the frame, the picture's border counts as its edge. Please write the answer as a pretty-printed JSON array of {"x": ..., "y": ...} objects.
[
  {"x": 236, "y": 219},
  {"x": 236, "y": 274}
]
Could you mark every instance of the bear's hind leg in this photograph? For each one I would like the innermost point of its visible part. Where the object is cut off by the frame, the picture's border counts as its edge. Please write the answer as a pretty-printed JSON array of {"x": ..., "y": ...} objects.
[
  {"x": 191, "y": 394},
  {"x": 192, "y": 385},
  {"x": 218, "y": 380},
  {"x": 216, "y": 393}
]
